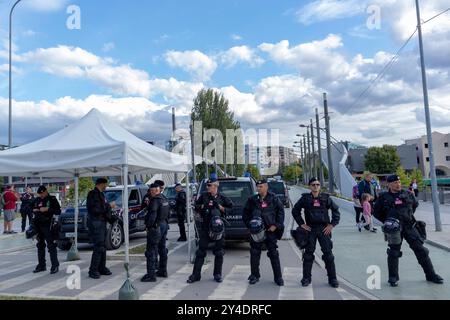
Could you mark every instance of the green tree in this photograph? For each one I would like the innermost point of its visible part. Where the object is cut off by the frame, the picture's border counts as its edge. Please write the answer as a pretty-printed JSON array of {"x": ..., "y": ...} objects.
[
  {"x": 382, "y": 160},
  {"x": 84, "y": 186},
  {"x": 404, "y": 177},
  {"x": 292, "y": 173},
  {"x": 212, "y": 109},
  {"x": 254, "y": 171}
]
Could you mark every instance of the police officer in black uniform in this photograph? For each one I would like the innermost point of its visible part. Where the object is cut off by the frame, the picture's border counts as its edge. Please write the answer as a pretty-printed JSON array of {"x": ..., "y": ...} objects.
[
  {"x": 146, "y": 200},
  {"x": 46, "y": 210},
  {"x": 26, "y": 208},
  {"x": 267, "y": 206},
  {"x": 156, "y": 222},
  {"x": 208, "y": 203},
  {"x": 99, "y": 213},
  {"x": 180, "y": 207},
  {"x": 398, "y": 206},
  {"x": 316, "y": 205}
]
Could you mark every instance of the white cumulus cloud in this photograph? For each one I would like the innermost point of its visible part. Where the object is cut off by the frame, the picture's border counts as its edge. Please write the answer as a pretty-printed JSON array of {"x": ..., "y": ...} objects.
[{"x": 196, "y": 63}]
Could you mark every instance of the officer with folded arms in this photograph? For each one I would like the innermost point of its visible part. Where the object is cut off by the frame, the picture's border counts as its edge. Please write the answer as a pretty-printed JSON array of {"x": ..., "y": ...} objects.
[
  {"x": 212, "y": 207},
  {"x": 316, "y": 206},
  {"x": 99, "y": 213},
  {"x": 46, "y": 210},
  {"x": 156, "y": 222},
  {"x": 395, "y": 209},
  {"x": 264, "y": 216}
]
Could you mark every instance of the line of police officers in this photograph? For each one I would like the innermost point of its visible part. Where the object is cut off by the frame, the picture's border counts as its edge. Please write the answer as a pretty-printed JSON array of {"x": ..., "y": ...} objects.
[{"x": 263, "y": 215}]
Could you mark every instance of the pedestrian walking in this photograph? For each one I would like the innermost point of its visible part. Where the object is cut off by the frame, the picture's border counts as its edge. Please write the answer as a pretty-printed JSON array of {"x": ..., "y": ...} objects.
[
  {"x": 367, "y": 212},
  {"x": 10, "y": 198},
  {"x": 414, "y": 187},
  {"x": 395, "y": 208},
  {"x": 316, "y": 206},
  {"x": 46, "y": 211},
  {"x": 212, "y": 207},
  {"x": 357, "y": 206},
  {"x": 26, "y": 208},
  {"x": 264, "y": 216}
]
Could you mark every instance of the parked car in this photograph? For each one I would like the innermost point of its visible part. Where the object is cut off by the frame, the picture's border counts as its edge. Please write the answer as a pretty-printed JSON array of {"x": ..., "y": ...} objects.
[
  {"x": 115, "y": 234},
  {"x": 238, "y": 190},
  {"x": 281, "y": 190}
]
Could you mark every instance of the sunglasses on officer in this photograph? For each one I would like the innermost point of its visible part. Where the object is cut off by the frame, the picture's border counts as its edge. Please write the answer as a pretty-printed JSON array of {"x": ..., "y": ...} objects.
[{"x": 315, "y": 184}]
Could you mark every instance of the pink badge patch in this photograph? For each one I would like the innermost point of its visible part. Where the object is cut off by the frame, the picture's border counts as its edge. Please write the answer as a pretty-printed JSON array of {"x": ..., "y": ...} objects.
[
  {"x": 316, "y": 203},
  {"x": 398, "y": 201},
  {"x": 264, "y": 204}
]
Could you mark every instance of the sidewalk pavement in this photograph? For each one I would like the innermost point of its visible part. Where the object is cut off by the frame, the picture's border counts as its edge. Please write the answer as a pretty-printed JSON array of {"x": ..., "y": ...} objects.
[
  {"x": 14, "y": 242},
  {"x": 360, "y": 256},
  {"x": 425, "y": 212}
]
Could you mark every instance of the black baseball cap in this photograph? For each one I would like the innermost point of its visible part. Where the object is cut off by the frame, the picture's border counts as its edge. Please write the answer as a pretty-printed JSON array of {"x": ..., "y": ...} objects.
[
  {"x": 101, "y": 181},
  {"x": 261, "y": 181},
  {"x": 393, "y": 178},
  {"x": 312, "y": 180},
  {"x": 160, "y": 183},
  {"x": 41, "y": 190},
  {"x": 154, "y": 185}
]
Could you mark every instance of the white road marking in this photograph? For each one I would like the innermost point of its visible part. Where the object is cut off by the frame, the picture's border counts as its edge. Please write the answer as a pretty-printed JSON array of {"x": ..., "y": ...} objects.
[
  {"x": 234, "y": 285},
  {"x": 17, "y": 267},
  {"x": 112, "y": 285},
  {"x": 19, "y": 280},
  {"x": 56, "y": 285},
  {"x": 172, "y": 286},
  {"x": 292, "y": 289}
]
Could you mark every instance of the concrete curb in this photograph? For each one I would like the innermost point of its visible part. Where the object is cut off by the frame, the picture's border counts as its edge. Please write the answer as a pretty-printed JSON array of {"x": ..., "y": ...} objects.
[
  {"x": 437, "y": 245},
  {"x": 317, "y": 261}
]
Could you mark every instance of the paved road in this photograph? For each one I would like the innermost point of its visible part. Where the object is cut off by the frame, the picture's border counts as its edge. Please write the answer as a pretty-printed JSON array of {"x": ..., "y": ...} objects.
[
  {"x": 354, "y": 252},
  {"x": 16, "y": 277}
]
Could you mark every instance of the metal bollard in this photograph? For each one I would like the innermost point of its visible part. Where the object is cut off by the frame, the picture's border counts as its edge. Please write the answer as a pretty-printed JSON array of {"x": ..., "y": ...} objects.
[{"x": 441, "y": 195}]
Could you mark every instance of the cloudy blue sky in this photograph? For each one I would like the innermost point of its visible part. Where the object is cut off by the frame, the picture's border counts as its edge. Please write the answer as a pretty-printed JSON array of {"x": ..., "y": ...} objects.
[{"x": 272, "y": 59}]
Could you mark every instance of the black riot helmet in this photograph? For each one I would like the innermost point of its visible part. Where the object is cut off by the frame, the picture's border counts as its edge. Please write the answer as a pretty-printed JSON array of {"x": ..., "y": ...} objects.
[
  {"x": 300, "y": 237},
  {"x": 257, "y": 229},
  {"x": 31, "y": 232},
  {"x": 216, "y": 228}
]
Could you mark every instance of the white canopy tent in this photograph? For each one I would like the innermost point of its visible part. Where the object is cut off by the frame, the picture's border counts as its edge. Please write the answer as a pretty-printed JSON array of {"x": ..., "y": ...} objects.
[{"x": 92, "y": 146}]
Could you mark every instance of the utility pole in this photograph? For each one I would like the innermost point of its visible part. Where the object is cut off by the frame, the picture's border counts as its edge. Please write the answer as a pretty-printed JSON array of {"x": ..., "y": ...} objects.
[
  {"x": 174, "y": 128},
  {"x": 309, "y": 154},
  {"x": 306, "y": 173},
  {"x": 10, "y": 143},
  {"x": 313, "y": 149},
  {"x": 191, "y": 127},
  {"x": 319, "y": 147},
  {"x": 330, "y": 161},
  {"x": 302, "y": 160},
  {"x": 434, "y": 189}
]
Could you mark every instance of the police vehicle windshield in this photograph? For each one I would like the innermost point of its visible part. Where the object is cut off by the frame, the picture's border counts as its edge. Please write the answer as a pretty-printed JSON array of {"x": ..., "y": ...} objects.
[
  {"x": 237, "y": 191},
  {"x": 110, "y": 196},
  {"x": 170, "y": 192},
  {"x": 276, "y": 187}
]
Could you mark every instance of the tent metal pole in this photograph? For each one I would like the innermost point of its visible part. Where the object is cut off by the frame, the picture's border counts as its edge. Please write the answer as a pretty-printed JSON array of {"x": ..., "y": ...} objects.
[
  {"x": 189, "y": 214},
  {"x": 127, "y": 291},
  {"x": 73, "y": 254},
  {"x": 125, "y": 213}
]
